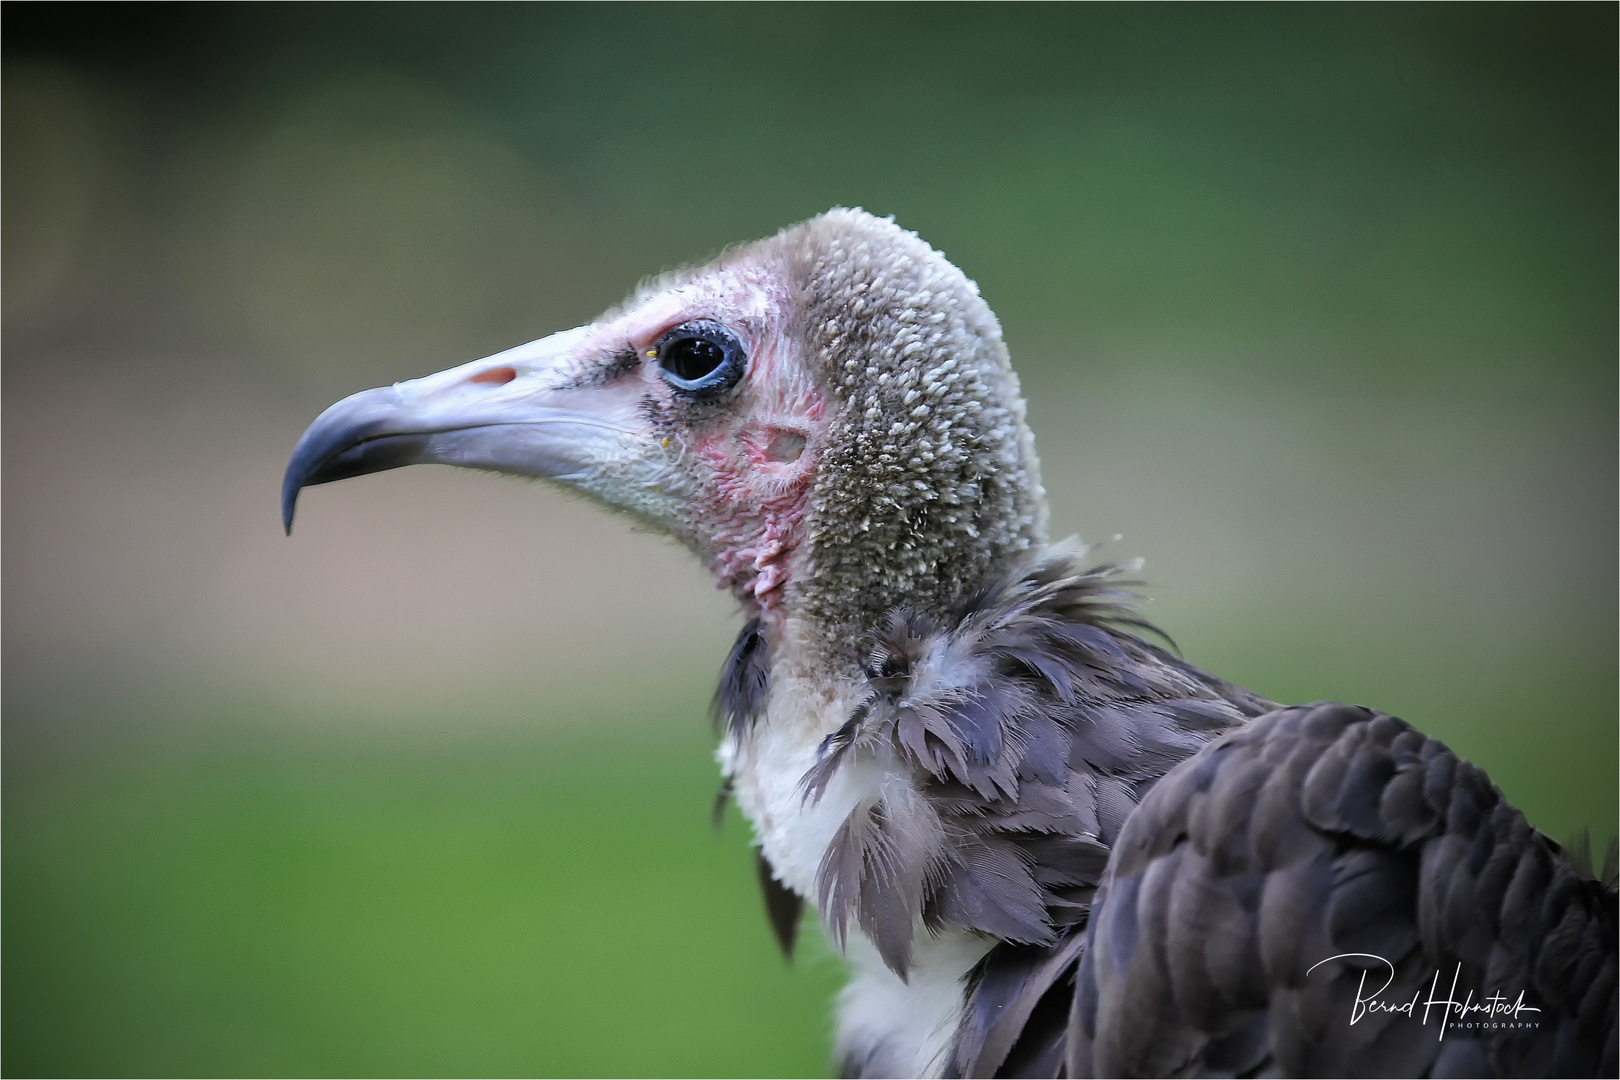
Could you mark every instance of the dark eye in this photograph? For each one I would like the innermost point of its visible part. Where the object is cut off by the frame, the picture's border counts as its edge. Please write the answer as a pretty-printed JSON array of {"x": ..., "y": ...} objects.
[{"x": 701, "y": 358}]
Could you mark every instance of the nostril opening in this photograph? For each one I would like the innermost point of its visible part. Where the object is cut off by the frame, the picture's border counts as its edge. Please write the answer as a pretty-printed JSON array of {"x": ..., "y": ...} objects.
[
  {"x": 499, "y": 376},
  {"x": 785, "y": 446}
]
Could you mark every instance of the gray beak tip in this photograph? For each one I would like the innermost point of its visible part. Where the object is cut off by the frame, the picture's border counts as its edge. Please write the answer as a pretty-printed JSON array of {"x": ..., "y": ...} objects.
[
  {"x": 298, "y": 474},
  {"x": 352, "y": 438}
]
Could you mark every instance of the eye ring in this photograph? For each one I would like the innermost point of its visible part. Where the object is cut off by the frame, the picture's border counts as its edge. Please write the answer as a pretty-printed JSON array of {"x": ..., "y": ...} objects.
[{"x": 701, "y": 358}]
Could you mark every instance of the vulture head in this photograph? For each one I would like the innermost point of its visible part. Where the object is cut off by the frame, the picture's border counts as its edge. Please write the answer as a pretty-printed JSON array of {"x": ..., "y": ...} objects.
[{"x": 807, "y": 408}]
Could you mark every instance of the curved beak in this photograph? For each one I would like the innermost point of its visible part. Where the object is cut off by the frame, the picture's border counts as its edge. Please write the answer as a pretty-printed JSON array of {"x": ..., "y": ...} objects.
[{"x": 526, "y": 411}]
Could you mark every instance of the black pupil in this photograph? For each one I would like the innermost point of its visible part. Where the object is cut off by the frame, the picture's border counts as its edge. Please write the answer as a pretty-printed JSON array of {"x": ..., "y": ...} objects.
[{"x": 692, "y": 358}]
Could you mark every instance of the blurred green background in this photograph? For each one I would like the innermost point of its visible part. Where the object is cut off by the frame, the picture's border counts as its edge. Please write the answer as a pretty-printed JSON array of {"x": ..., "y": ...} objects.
[{"x": 1315, "y": 305}]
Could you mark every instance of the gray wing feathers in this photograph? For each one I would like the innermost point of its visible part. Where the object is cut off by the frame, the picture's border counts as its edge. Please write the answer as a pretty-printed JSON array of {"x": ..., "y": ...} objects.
[
  {"x": 1178, "y": 926},
  {"x": 1016, "y": 1010},
  {"x": 1032, "y": 722},
  {"x": 745, "y": 681},
  {"x": 1325, "y": 830},
  {"x": 783, "y": 906}
]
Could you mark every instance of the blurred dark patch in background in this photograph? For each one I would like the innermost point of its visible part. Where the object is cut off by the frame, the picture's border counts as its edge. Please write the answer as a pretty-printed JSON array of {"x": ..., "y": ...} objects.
[{"x": 1315, "y": 305}]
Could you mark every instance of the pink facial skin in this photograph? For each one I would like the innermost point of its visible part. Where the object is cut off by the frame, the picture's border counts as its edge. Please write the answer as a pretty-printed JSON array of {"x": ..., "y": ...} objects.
[
  {"x": 755, "y": 508},
  {"x": 752, "y": 459}
]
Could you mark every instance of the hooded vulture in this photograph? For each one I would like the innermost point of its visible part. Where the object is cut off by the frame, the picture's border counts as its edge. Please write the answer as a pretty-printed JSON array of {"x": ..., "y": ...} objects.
[{"x": 1046, "y": 845}]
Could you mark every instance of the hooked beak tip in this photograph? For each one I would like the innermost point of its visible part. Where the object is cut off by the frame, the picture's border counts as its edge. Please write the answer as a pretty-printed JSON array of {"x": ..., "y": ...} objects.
[
  {"x": 351, "y": 438},
  {"x": 290, "y": 487}
]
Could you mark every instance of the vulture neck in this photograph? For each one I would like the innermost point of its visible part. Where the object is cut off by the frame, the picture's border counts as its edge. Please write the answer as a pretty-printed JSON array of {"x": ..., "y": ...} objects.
[{"x": 819, "y": 624}]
